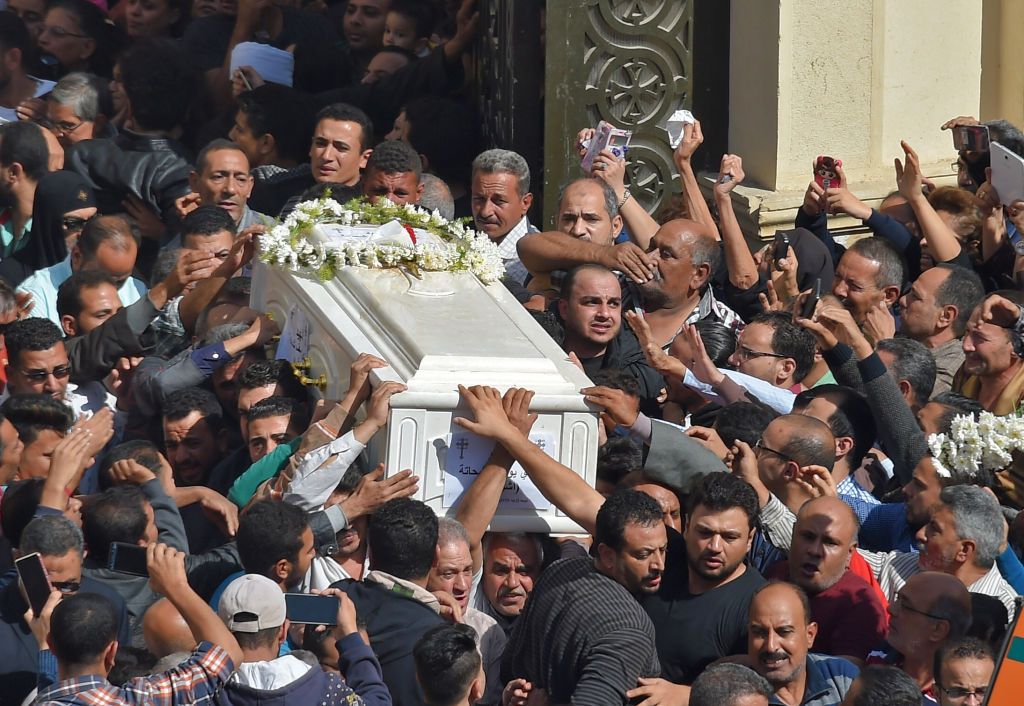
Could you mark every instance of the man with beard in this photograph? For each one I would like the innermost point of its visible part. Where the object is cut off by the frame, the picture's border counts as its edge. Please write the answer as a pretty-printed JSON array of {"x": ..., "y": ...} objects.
[
  {"x": 929, "y": 610},
  {"x": 452, "y": 572},
  {"x": 274, "y": 540},
  {"x": 781, "y": 636},
  {"x": 962, "y": 537},
  {"x": 582, "y": 637},
  {"x": 849, "y": 614},
  {"x": 590, "y": 307},
  {"x": 993, "y": 370},
  {"x": 24, "y": 160}
]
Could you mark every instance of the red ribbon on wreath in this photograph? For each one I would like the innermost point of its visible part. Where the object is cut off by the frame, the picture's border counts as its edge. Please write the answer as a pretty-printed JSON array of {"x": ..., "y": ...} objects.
[{"x": 411, "y": 232}]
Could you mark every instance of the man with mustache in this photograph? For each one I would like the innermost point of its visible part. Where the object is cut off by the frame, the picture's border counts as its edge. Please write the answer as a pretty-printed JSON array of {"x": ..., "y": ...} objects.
[
  {"x": 500, "y": 200},
  {"x": 869, "y": 274},
  {"x": 781, "y": 635},
  {"x": 850, "y": 616}
]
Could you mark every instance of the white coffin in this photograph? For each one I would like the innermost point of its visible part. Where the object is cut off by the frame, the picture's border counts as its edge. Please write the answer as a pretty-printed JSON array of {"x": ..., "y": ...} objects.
[{"x": 436, "y": 333}]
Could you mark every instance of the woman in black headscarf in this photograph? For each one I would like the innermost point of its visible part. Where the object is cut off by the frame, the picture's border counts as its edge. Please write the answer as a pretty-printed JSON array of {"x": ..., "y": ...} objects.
[{"x": 62, "y": 204}]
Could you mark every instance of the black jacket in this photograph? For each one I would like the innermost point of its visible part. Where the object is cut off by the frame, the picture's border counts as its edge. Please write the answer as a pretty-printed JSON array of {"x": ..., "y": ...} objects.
[
  {"x": 155, "y": 169},
  {"x": 395, "y": 623}
]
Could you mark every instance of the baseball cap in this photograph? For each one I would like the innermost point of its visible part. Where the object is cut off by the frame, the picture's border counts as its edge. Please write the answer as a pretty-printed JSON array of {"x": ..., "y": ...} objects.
[{"x": 252, "y": 603}]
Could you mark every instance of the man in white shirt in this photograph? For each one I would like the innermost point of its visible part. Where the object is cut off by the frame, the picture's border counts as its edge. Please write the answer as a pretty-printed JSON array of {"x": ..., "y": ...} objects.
[
  {"x": 500, "y": 200},
  {"x": 107, "y": 243}
]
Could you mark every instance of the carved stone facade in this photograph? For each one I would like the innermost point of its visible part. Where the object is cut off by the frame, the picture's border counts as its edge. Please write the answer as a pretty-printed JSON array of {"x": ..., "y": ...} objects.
[{"x": 628, "y": 62}]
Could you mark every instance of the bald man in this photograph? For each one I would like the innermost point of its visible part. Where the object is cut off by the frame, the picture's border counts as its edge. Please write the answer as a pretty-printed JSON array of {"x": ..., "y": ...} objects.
[
  {"x": 789, "y": 444},
  {"x": 929, "y": 609},
  {"x": 849, "y": 612},
  {"x": 165, "y": 631},
  {"x": 780, "y": 636}
]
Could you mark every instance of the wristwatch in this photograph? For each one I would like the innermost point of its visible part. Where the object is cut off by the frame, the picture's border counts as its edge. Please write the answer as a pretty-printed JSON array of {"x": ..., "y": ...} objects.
[{"x": 625, "y": 197}]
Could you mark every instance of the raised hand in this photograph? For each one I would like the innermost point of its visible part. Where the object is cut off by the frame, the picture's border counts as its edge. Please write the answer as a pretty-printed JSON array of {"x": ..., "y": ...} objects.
[
  {"x": 631, "y": 260},
  {"x": 188, "y": 203},
  {"x": 166, "y": 567},
  {"x": 817, "y": 480},
  {"x": 688, "y": 347},
  {"x": 620, "y": 406},
  {"x": 909, "y": 178},
  {"x": 192, "y": 266},
  {"x": 730, "y": 173},
  {"x": 129, "y": 472},
  {"x": 491, "y": 421},
  {"x": 221, "y": 511},
  {"x": 359, "y": 375},
  {"x": 374, "y": 490},
  {"x": 693, "y": 138},
  {"x": 999, "y": 311},
  {"x": 516, "y": 403},
  {"x": 814, "y": 197},
  {"x": 657, "y": 358},
  {"x": 611, "y": 170},
  {"x": 710, "y": 439},
  {"x": 380, "y": 403},
  {"x": 879, "y": 323}
]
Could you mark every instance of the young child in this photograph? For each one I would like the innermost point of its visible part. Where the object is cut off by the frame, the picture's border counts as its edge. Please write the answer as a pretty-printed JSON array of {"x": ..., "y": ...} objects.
[{"x": 409, "y": 25}]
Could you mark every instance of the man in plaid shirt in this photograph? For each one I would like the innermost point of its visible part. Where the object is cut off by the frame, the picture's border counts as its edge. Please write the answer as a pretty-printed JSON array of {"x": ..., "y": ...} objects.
[{"x": 83, "y": 637}]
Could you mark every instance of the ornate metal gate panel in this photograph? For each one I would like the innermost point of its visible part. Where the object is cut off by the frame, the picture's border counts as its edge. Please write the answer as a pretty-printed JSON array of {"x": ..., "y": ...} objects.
[{"x": 628, "y": 62}]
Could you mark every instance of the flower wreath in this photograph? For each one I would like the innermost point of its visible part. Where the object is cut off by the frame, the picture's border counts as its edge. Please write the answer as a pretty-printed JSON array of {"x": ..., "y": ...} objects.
[
  {"x": 456, "y": 248},
  {"x": 986, "y": 443}
]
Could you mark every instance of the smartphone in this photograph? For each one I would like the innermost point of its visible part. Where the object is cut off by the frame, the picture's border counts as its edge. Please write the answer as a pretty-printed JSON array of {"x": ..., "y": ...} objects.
[
  {"x": 33, "y": 578},
  {"x": 781, "y": 249},
  {"x": 971, "y": 138},
  {"x": 826, "y": 172},
  {"x": 127, "y": 559},
  {"x": 310, "y": 609},
  {"x": 811, "y": 303}
]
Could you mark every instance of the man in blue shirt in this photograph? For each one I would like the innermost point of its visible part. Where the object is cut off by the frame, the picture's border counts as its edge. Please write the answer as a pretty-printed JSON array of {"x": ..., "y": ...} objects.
[
  {"x": 780, "y": 637},
  {"x": 107, "y": 243}
]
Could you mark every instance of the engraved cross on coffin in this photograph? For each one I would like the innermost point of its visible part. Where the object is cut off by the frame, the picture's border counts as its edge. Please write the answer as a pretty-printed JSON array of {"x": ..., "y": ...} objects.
[{"x": 439, "y": 330}]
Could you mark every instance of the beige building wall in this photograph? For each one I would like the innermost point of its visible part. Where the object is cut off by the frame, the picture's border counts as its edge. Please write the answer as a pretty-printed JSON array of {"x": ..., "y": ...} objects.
[
  {"x": 849, "y": 79},
  {"x": 1002, "y": 61}
]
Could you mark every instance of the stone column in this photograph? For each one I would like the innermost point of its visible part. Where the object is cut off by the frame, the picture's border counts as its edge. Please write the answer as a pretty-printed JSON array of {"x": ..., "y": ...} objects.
[{"x": 847, "y": 79}]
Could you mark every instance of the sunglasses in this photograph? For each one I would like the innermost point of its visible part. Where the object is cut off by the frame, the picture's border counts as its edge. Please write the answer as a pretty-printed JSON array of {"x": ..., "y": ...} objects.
[{"x": 60, "y": 372}]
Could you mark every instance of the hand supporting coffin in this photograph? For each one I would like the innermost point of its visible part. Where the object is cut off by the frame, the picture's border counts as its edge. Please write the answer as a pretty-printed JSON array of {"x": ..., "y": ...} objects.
[{"x": 558, "y": 483}]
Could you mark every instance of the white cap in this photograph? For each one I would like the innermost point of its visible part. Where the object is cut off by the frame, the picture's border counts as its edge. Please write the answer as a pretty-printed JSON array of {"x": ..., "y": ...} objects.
[{"x": 252, "y": 603}]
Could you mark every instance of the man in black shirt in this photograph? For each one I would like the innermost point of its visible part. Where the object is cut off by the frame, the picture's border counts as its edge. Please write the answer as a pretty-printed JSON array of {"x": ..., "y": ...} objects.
[{"x": 582, "y": 637}]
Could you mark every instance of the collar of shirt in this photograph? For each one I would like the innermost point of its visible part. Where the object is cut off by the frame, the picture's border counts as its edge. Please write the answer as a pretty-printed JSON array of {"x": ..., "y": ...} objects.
[
  {"x": 70, "y": 687},
  {"x": 507, "y": 247},
  {"x": 819, "y": 689},
  {"x": 404, "y": 588}
]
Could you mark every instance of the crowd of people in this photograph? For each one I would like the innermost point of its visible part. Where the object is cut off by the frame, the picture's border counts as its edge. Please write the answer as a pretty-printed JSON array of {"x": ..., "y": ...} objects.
[{"x": 782, "y": 511}]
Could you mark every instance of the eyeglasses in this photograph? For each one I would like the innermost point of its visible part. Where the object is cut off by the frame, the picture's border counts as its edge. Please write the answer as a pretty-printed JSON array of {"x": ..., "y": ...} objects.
[
  {"x": 759, "y": 446},
  {"x": 60, "y": 33},
  {"x": 65, "y": 128},
  {"x": 73, "y": 223},
  {"x": 902, "y": 603},
  {"x": 60, "y": 372},
  {"x": 744, "y": 353},
  {"x": 958, "y": 694},
  {"x": 66, "y": 587}
]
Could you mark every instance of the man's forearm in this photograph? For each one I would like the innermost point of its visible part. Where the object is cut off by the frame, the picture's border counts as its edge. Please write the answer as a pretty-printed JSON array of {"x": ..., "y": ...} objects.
[
  {"x": 557, "y": 483},
  {"x": 699, "y": 210},
  {"x": 550, "y": 251},
  {"x": 480, "y": 501},
  {"x": 739, "y": 261}
]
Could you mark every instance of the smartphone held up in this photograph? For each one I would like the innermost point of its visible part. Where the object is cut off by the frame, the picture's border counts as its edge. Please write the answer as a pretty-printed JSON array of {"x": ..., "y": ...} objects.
[{"x": 826, "y": 172}]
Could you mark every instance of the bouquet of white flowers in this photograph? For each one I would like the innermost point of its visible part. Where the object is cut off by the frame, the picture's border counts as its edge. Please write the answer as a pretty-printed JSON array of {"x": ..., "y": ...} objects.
[
  {"x": 455, "y": 248},
  {"x": 986, "y": 443}
]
